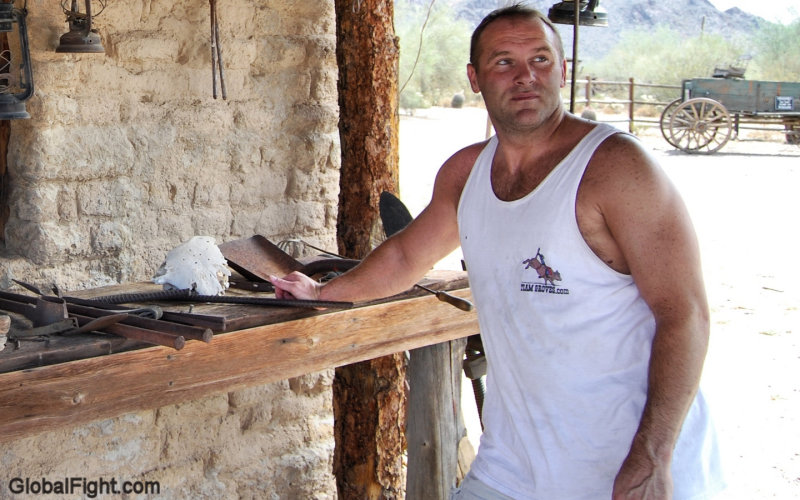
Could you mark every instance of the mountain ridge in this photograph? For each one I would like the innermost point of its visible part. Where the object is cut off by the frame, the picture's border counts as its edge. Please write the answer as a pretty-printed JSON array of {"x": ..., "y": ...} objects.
[{"x": 688, "y": 17}]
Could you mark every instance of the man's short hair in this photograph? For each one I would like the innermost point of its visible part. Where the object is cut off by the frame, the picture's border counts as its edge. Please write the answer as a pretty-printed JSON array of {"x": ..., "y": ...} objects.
[{"x": 516, "y": 11}]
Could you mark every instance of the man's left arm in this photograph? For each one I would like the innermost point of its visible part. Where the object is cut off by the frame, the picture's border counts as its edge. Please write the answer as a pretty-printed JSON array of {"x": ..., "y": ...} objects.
[{"x": 651, "y": 226}]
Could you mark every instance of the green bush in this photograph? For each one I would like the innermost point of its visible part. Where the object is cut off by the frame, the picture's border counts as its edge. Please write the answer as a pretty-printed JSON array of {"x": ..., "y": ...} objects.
[
  {"x": 777, "y": 53},
  {"x": 664, "y": 56},
  {"x": 437, "y": 71}
]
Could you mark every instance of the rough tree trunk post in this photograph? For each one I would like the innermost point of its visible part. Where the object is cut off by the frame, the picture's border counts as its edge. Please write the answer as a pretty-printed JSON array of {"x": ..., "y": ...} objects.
[
  {"x": 5, "y": 136},
  {"x": 369, "y": 397}
]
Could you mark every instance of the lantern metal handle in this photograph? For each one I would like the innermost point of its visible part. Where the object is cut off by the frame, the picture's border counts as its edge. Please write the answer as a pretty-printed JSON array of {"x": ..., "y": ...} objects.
[{"x": 80, "y": 37}]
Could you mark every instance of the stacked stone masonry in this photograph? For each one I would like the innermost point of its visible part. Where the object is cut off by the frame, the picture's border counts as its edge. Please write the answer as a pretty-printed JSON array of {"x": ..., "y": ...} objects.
[{"x": 125, "y": 156}]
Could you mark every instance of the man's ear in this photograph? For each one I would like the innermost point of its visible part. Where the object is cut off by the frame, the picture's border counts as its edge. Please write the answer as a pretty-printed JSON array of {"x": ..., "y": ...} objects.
[
  {"x": 473, "y": 78},
  {"x": 564, "y": 73}
]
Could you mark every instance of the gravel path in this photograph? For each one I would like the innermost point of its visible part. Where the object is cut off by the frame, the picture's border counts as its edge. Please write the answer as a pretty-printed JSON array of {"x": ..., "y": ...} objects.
[{"x": 744, "y": 204}]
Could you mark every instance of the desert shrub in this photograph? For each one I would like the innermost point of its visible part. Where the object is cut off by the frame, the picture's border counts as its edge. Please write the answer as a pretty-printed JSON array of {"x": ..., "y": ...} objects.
[{"x": 437, "y": 71}]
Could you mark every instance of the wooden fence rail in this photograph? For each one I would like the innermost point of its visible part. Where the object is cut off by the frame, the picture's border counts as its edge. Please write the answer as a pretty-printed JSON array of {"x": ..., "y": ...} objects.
[{"x": 631, "y": 94}]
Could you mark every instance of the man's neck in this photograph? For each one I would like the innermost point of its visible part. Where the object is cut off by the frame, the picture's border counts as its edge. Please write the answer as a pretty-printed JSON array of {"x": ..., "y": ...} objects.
[
  {"x": 521, "y": 162},
  {"x": 519, "y": 147}
]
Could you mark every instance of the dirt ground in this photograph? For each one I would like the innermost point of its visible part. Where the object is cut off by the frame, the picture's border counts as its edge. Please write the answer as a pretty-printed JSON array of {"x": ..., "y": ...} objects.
[{"x": 744, "y": 204}]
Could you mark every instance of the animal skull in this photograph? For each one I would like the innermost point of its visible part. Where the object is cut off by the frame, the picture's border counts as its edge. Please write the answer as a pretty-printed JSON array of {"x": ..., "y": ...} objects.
[{"x": 196, "y": 264}]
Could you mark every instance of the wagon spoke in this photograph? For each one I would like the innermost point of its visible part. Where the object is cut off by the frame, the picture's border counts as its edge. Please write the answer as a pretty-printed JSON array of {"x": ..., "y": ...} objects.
[
  {"x": 666, "y": 115},
  {"x": 702, "y": 113},
  {"x": 699, "y": 125},
  {"x": 708, "y": 136},
  {"x": 678, "y": 135}
]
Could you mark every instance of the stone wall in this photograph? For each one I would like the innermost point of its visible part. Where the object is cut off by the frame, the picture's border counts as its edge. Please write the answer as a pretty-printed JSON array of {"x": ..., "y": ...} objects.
[
  {"x": 269, "y": 442},
  {"x": 125, "y": 156}
]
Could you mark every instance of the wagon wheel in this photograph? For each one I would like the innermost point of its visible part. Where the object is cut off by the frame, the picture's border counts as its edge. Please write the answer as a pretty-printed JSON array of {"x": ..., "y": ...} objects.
[
  {"x": 700, "y": 125},
  {"x": 664, "y": 122}
]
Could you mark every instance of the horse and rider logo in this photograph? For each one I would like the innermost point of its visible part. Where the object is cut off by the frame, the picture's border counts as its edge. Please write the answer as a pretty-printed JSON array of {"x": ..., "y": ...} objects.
[{"x": 544, "y": 271}]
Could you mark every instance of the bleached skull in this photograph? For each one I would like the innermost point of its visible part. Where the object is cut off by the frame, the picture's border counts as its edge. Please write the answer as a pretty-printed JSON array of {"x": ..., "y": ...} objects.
[{"x": 196, "y": 264}]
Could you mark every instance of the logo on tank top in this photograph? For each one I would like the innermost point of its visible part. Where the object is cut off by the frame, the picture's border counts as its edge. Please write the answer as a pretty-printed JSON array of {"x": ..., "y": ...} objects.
[{"x": 547, "y": 274}]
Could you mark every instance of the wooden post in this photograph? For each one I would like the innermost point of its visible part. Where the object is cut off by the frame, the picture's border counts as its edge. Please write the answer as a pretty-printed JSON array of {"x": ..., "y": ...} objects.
[
  {"x": 435, "y": 421},
  {"x": 588, "y": 91},
  {"x": 5, "y": 210},
  {"x": 369, "y": 397},
  {"x": 367, "y": 53},
  {"x": 631, "y": 94}
]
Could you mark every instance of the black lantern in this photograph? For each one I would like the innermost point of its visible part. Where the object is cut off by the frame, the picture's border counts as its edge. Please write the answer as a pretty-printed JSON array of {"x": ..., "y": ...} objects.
[
  {"x": 81, "y": 38},
  {"x": 583, "y": 12},
  {"x": 589, "y": 13},
  {"x": 16, "y": 77}
]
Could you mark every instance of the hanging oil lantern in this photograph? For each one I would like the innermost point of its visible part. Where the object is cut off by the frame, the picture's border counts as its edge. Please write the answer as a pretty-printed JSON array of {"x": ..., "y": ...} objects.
[
  {"x": 80, "y": 38},
  {"x": 16, "y": 76}
]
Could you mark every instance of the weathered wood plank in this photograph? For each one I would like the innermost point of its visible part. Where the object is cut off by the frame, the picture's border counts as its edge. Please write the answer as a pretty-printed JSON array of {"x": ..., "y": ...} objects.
[
  {"x": 57, "y": 349},
  {"x": 435, "y": 422},
  {"x": 82, "y": 391}
]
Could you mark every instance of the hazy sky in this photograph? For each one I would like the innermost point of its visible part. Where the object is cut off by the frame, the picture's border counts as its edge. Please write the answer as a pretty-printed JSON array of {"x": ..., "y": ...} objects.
[{"x": 784, "y": 11}]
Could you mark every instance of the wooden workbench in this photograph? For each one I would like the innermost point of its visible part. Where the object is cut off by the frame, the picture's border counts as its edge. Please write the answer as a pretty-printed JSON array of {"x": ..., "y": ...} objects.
[{"x": 285, "y": 343}]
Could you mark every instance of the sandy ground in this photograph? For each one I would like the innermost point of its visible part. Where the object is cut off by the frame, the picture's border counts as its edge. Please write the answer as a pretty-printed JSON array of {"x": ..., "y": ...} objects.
[{"x": 744, "y": 203}]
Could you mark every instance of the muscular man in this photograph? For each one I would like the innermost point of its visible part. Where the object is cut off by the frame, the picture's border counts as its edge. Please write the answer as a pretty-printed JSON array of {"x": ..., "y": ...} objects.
[{"x": 586, "y": 275}]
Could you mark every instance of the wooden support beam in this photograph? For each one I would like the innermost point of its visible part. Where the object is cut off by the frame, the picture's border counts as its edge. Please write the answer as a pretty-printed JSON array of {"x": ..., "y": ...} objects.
[
  {"x": 435, "y": 423},
  {"x": 368, "y": 398},
  {"x": 78, "y": 392}
]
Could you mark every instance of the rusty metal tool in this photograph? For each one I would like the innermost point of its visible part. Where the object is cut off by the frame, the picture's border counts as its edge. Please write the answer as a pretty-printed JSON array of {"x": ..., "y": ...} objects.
[
  {"x": 42, "y": 324},
  {"x": 251, "y": 286},
  {"x": 205, "y": 321},
  {"x": 210, "y": 321},
  {"x": 191, "y": 296},
  {"x": 62, "y": 305},
  {"x": 256, "y": 258},
  {"x": 187, "y": 331},
  {"x": 109, "y": 322},
  {"x": 29, "y": 287},
  {"x": 216, "y": 54},
  {"x": 142, "y": 334},
  {"x": 15, "y": 306},
  {"x": 98, "y": 324},
  {"x": 458, "y": 302},
  {"x": 41, "y": 332},
  {"x": 46, "y": 312},
  {"x": 258, "y": 301},
  {"x": 395, "y": 217}
]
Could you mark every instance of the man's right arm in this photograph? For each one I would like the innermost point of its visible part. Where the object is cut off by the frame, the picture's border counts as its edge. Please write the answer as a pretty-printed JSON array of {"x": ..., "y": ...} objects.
[{"x": 400, "y": 261}]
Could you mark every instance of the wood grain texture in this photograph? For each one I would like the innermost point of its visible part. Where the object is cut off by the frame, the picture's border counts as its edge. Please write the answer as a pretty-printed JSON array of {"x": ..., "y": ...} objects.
[
  {"x": 77, "y": 392},
  {"x": 435, "y": 424}
]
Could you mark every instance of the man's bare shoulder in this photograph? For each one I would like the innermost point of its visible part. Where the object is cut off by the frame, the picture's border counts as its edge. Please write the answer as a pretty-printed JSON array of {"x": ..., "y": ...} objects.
[
  {"x": 621, "y": 158},
  {"x": 621, "y": 146},
  {"x": 466, "y": 157},
  {"x": 458, "y": 167}
]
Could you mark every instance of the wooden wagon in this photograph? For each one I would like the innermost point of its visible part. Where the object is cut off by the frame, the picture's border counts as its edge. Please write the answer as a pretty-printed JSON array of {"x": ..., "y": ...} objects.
[{"x": 711, "y": 110}]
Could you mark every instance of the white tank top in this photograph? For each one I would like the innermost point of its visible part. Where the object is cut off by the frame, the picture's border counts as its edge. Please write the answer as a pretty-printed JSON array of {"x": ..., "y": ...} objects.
[{"x": 567, "y": 340}]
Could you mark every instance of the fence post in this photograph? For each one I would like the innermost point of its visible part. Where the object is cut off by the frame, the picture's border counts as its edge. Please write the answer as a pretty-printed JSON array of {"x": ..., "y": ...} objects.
[
  {"x": 630, "y": 105},
  {"x": 588, "y": 91}
]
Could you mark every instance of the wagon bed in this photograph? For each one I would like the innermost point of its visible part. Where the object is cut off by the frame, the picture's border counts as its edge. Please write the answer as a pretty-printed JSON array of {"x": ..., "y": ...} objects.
[{"x": 710, "y": 110}]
